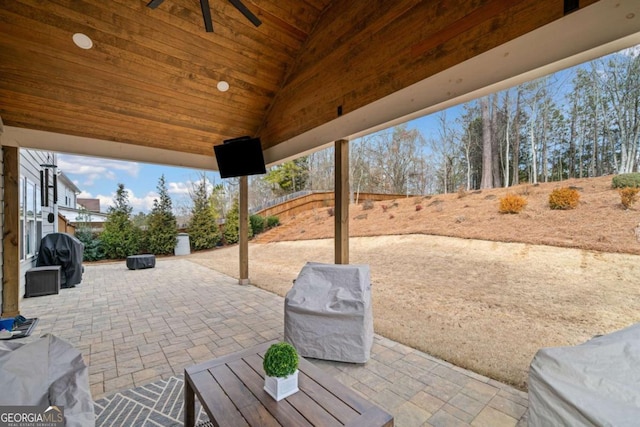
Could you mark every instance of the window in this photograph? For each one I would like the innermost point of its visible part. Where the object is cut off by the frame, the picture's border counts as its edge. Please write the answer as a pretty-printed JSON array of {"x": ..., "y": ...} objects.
[
  {"x": 21, "y": 202},
  {"x": 38, "y": 218},
  {"x": 30, "y": 218}
]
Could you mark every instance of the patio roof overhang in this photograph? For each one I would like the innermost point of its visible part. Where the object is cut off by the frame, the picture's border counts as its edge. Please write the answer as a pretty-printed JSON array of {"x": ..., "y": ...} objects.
[
  {"x": 146, "y": 91},
  {"x": 315, "y": 71}
]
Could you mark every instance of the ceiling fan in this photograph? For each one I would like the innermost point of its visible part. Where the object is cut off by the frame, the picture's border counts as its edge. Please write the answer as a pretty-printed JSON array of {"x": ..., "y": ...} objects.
[{"x": 206, "y": 12}]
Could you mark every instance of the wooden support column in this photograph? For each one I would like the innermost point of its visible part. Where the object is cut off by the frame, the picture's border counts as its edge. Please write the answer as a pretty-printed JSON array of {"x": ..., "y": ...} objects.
[
  {"x": 11, "y": 232},
  {"x": 342, "y": 202},
  {"x": 243, "y": 231}
]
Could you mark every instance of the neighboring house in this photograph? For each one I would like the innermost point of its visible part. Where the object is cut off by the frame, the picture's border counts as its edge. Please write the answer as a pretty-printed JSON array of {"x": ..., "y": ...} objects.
[
  {"x": 92, "y": 205},
  {"x": 92, "y": 215},
  {"x": 67, "y": 192}
]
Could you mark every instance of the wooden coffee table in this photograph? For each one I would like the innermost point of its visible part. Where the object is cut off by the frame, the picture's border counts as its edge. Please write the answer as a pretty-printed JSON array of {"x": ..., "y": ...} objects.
[{"x": 230, "y": 390}]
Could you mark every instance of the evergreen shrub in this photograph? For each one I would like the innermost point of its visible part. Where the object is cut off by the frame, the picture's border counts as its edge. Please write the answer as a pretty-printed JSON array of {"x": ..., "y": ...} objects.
[
  {"x": 93, "y": 250},
  {"x": 231, "y": 225},
  {"x": 626, "y": 180},
  {"x": 273, "y": 221},
  {"x": 258, "y": 223}
]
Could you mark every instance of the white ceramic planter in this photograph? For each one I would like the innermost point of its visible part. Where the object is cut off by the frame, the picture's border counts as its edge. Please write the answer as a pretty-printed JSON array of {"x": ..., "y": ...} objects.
[{"x": 279, "y": 388}]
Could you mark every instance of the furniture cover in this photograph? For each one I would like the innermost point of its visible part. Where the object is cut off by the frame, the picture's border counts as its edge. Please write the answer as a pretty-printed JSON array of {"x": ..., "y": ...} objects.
[
  {"x": 47, "y": 372},
  {"x": 65, "y": 250},
  {"x": 593, "y": 384},
  {"x": 138, "y": 262},
  {"x": 327, "y": 313}
]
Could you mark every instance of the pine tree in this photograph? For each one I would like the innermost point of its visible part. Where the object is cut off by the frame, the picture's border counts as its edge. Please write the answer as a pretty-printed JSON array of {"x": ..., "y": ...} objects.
[
  {"x": 120, "y": 237},
  {"x": 231, "y": 224},
  {"x": 162, "y": 231},
  {"x": 203, "y": 226}
]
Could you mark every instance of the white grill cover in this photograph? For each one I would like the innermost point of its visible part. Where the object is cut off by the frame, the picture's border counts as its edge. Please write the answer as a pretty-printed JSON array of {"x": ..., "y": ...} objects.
[
  {"x": 327, "y": 312},
  {"x": 593, "y": 384}
]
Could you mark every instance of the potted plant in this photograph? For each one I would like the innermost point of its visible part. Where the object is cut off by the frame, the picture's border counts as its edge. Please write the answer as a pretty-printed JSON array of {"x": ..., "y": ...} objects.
[{"x": 281, "y": 370}]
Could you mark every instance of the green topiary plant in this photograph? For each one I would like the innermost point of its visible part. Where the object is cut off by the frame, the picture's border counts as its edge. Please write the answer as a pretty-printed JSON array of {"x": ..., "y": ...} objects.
[
  {"x": 512, "y": 204},
  {"x": 280, "y": 360},
  {"x": 626, "y": 180},
  {"x": 564, "y": 198}
]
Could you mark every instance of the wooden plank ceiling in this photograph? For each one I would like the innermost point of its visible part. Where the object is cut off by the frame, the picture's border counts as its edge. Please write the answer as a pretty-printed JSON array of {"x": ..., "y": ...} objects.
[{"x": 150, "y": 78}]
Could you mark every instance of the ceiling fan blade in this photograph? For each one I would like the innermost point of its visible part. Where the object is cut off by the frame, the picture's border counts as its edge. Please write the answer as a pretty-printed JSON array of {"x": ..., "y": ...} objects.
[
  {"x": 206, "y": 15},
  {"x": 246, "y": 12},
  {"x": 154, "y": 3}
]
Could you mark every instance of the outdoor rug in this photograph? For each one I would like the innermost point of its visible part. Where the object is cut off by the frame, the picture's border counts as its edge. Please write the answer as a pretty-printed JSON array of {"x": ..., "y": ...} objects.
[{"x": 156, "y": 404}]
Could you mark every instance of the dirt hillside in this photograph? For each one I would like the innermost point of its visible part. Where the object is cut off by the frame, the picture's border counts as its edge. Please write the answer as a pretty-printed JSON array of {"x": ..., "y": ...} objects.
[{"x": 599, "y": 223}]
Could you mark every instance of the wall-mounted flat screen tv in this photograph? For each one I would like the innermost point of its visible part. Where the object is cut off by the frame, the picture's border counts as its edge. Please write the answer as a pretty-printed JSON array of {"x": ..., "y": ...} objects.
[{"x": 240, "y": 157}]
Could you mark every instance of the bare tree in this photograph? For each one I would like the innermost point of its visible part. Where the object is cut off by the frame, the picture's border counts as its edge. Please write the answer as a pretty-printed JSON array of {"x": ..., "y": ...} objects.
[{"x": 487, "y": 154}]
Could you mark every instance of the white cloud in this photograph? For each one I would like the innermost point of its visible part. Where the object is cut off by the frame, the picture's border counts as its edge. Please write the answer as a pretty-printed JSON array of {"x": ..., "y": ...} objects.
[
  {"x": 179, "y": 188},
  {"x": 183, "y": 188},
  {"x": 144, "y": 203},
  {"x": 94, "y": 169},
  {"x": 85, "y": 195}
]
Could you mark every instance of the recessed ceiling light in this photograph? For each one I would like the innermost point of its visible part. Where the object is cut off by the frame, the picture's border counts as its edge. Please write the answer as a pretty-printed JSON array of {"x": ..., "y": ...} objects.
[
  {"x": 82, "y": 41},
  {"x": 223, "y": 86}
]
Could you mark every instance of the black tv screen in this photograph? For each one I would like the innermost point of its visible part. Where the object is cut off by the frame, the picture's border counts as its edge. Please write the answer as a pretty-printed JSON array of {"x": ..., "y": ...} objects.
[{"x": 240, "y": 157}]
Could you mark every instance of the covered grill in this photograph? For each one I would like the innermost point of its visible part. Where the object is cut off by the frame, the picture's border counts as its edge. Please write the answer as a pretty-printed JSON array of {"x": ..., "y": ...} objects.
[
  {"x": 66, "y": 251},
  {"x": 593, "y": 384},
  {"x": 327, "y": 313}
]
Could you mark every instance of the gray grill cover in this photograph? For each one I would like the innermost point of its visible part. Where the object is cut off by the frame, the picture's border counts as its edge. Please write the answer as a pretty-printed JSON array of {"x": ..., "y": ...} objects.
[
  {"x": 48, "y": 371},
  {"x": 593, "y": 384},
  {"x": 327, "y": 313}
]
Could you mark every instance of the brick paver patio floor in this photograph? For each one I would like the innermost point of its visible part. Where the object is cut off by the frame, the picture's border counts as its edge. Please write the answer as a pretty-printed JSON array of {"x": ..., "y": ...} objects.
[{"x": 138, "y": 326}]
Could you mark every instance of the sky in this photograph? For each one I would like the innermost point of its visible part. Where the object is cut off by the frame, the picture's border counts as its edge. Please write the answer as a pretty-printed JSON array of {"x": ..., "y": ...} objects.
[{"x": 98, "y": 178}]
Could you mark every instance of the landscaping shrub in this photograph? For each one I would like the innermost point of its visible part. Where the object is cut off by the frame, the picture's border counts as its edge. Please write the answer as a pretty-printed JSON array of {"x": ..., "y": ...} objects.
[
  {"x": 418, "y": 208},
  {"x": 512, "y": 204},
  {"x": 203, "y": 225},
  {"x": 273, "y": 221},
  {"x": 258, "y": 223},
  {"x": 626, "y": 180},
  {"x": 564, "y": 198},
  {"x": 462, "y": 192},
  {"x": 93, "y": 250},
  {"x": 120, "y": 237},
  {"x": 232, "y": 223},
  {"x": 628, "y": 196},
  {"x": 162, "y": 231}
]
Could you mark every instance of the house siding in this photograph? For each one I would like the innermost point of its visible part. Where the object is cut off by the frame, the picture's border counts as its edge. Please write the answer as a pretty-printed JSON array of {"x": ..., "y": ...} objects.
[{"x": 30, "y": 161}]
